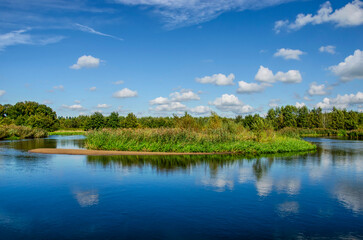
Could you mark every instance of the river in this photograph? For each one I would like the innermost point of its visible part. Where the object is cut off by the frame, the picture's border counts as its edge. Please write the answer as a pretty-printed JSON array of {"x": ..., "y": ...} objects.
[{"x": 314, "y": 195}]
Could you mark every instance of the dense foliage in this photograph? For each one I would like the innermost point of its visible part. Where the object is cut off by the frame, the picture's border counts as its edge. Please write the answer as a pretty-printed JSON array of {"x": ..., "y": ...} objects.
[
  {"x": 17, "y": 132},
  {"x": 30, "y": 114},
  {"x": 37, "y": 115}
]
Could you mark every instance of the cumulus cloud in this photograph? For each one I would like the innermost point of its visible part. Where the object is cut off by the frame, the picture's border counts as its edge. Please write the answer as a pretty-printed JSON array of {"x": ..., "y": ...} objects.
[
  {"x": 266, "y": 75},
  {"x": 351, "y": 68},
  {"x": 159, "y": 100},
  {"x": 125, "y": 93},
  {"x": 217, "y": 79},
  {"x": 244, "y": 87},
  {"x": 86, "y": 62},
  {"x": 75, "y": 107},
  {"x": 184, "y": 95},
  {"x": 170, "y": 107},
  {"x": 341, "y": 101},
  {"x": 188, "y": 12},
  {"x": 231, "y": 103},
  {"x": 200, "y": 110},
  {"x": 299, "y": 105},
  {"x": 316, "y": 89},
  {"x": 104, "y": 105},
  {"x": 328, "y": 49},
  {"x": 92, "y": 89},
  {"x": 173, "y": 103},
  {"x": 22, "y": 37},
  {"x": 87, "y": 29},
  {"x": 287, "y": 53},
  {"x": 2, "y": 92},
  {"x": 348, "y": 16}
]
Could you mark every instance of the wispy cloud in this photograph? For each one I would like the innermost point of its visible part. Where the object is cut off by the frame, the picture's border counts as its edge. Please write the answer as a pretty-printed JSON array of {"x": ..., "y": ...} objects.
[
  {"x": 189, "y": 12},
  {"x": 23, "y": 37},
  {"x": 87, "y": 29}
]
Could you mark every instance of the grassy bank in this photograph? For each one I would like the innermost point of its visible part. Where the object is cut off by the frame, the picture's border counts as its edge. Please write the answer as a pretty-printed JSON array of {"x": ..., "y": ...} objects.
[
  {"x": 183, "y": 140},
  {"x": 20, "y": 132},
  {"x": 321, "y": 132},
  {"x": 68, "y": 132}
]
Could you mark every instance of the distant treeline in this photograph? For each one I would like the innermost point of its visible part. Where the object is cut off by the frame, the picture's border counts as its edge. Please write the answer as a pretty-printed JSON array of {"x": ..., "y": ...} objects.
[{"x": 37, "y": 115}]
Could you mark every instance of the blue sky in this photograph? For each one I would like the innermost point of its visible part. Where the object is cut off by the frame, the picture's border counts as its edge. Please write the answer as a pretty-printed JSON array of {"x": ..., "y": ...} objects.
[{"x": 159, "y": 57}]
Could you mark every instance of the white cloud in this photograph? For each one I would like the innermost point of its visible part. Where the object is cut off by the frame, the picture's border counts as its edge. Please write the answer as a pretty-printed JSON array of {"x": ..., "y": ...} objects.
[
  {"x": 2, "y": 92},
  {"x": 118, "y": 82},
  {"x": 200, "y": 110},
  {"x": 244, "y": 87},
  {"x": 174, "y": 102},
  {"x": 267, "y": 76},
  {"x": 84, "y": 28},
  {"x": 180, "y": 13},
  {"x": 21, "y": 37},
  {"x": 351, "y": 68},
  {"x": 75, "y": 107},
  {"x": 287, "y": 53},
  {"x": 92, "y": 89},
  {"x": 104, "y": 105},
  {"x": 231, "y": 103},
  {"x": 348, "y": 16},
  {"x": 217, "y": 79},
  {"x": 184, "y": 95},
  {"x": 316, "y": 89},
  {"x": 341, "y": 101},
  {"x": 86, "y": 62},
  {"x": 159, "y": 100},
  {"x": 299, "y": 105},
  {"x": 125, "y": 93},
  {"x": 77, "y": 101},
  {"x": 170, "y": 107},
  {"x": 328, "y": 49},
  {"x": 291, "y": 76},
  {"x": 306, "y": 98}
]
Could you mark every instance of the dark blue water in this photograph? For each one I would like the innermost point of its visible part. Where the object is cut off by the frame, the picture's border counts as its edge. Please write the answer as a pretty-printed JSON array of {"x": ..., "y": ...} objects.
[{"x": 312, "y": 196}]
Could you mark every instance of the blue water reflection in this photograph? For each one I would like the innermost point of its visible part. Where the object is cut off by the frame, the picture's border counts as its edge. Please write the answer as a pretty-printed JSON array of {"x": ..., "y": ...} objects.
[{"x": 314, "y": 195}]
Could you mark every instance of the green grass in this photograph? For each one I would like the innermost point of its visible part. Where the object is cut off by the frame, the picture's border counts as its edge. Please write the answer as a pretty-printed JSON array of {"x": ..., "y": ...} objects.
[
  {"x": 321, "y": 132},
  {"x": 207, "y": 141},
  {"x": 12, "y": 132},
  {"x": 68, "y": 132}
]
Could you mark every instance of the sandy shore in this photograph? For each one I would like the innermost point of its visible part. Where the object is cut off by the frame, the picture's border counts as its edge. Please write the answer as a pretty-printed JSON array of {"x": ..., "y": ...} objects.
[{"x": 102, "y": 152}]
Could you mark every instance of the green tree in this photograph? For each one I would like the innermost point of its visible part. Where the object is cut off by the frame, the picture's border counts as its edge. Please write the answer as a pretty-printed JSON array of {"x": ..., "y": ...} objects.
[
  {"x": 131, "y": 121},
  {"x": 113, "y": 120}
]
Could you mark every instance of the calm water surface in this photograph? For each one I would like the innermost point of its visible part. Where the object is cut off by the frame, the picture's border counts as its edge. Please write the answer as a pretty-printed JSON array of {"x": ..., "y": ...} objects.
[{"x": 317, "y": 195}]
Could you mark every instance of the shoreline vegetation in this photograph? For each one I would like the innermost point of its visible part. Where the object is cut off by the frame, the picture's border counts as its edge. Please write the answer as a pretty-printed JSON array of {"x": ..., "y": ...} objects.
[
  {"x": 13, "y": 132},
  {"x": 193, "y": 141},
  {"x": 279, "y": 131}
]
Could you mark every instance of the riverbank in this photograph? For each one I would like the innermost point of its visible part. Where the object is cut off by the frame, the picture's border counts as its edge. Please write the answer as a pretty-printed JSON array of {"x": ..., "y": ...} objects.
[
  {"x": 68, "y": 132},
  {"x": 13, "y": 132},
  {"x": 190, "y": 141},
  {"x": 322, "y": 132}
]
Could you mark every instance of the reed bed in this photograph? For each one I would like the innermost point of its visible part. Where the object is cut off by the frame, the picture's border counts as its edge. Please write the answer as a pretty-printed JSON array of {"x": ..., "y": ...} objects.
[
  {"x": 187, "y": 140},
  {"x": 20, "y": 132},
  {"x": 321, "y": 132}
]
